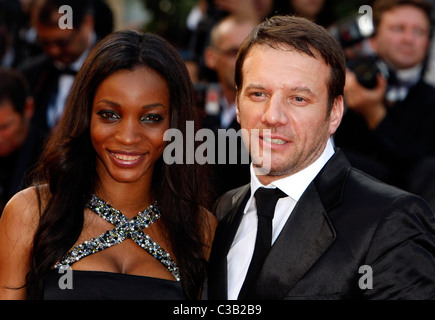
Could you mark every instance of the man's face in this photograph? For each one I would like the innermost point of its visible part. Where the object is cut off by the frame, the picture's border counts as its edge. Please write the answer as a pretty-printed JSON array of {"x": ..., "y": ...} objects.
[
  {"x": 64, "y": 45},
  {"x": 225, "y": 51},
  {"x": 402, "y": 37},
  {"x": 13, "y": 130},
  {"x": 286, "y": 92}
]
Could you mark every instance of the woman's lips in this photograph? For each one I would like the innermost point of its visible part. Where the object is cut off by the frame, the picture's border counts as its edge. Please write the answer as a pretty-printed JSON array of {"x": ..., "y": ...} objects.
[{"x": 126, "y": 159}]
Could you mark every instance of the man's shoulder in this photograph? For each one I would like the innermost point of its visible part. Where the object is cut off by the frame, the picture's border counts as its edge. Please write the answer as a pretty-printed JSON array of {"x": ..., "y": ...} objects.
[
  {"x": 382, "y": 197},
  {"x": 365, "y": 183},
  {"x": 227, "y": 200},
  {"x": 355, "y": 188}
]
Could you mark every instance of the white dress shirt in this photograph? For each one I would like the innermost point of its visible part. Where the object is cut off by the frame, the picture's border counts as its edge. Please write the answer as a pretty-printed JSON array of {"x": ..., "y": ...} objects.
[
  {"x": 242, "y": 248},
  {"x": 228, "y": 113}
]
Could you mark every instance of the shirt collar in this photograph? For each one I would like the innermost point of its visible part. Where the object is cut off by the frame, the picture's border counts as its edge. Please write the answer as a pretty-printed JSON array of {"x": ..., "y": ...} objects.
[{"x": 294, "y": 186}]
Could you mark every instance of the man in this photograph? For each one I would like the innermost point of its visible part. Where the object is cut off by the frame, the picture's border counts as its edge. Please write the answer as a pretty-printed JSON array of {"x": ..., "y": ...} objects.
[
  {"x": 337, "y": 233},
  {"x": 51, "y": 75},
  {"x": 389, "y": 131},
  {"x": 19, "y": 143},
  {"x": 220, "y": 56},
  {"x": 225, "y": 40}
]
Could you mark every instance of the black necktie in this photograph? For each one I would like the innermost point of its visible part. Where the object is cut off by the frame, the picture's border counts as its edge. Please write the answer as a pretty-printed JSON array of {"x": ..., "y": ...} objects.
[{"x": 266, "y": 201}]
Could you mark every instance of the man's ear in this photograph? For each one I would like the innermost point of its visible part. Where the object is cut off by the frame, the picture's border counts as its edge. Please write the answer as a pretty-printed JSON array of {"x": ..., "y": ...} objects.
[
  {"x": 237, "y": 105},
  {"x": 336, "y": 114}
]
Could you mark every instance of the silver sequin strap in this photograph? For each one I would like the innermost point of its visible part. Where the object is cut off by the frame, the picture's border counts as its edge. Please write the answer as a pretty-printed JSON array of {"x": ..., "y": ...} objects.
[{"x": 125, "y": 228}]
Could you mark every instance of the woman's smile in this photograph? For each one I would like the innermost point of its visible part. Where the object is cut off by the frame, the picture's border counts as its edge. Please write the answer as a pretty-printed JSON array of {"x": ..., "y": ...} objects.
[{"x": 127, "y": 159}]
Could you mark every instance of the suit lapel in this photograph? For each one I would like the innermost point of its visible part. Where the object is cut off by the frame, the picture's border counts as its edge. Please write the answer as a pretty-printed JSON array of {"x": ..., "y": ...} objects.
[
  {"x": 304, "y": 238},
  {"x": 224, "y": 236}
]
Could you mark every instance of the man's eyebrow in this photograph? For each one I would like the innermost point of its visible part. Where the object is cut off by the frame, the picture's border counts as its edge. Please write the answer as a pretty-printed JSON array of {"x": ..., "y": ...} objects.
[
  {"x": 117, "y": 105},
  {"x": 296, "y": 89},
  {"x": 303, "y": 89},
  {"x": 254, "y": 86}
]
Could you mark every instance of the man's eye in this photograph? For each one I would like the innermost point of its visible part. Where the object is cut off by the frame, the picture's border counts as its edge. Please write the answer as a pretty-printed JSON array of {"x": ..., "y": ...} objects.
[
  {"x": 299, "y": 101},
  {"x": 257, "y": 95}
]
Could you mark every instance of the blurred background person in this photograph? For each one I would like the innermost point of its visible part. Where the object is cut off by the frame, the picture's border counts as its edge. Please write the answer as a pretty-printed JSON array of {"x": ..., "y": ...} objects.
[
  {"x": 21, "y": 37},
  {"x": 208, "y": 14},
  {"x": 220, "y": 99},
  {"x": 19, "y": 142},
  {"x": 388, "y": 129},
  {"x": 50, "y": 75},
  {"x": 220, "y": 56}
]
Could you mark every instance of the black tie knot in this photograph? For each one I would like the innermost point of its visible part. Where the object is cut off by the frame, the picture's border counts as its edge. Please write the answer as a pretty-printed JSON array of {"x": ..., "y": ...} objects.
[{"x": 266, "y": 200}]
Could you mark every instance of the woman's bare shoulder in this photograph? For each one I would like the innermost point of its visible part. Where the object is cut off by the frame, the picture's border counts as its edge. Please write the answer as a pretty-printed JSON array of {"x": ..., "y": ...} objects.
[
  {"x": 23, "y": 209},
  {"x": 18, "y": 225}
]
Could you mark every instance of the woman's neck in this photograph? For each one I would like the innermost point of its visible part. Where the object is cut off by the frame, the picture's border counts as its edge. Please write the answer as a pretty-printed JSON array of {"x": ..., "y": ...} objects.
[{"x": 129, "y": 198}]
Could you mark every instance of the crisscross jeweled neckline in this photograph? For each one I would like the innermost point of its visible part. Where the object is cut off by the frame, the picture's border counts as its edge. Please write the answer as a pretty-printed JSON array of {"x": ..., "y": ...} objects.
[{"x": 125, "y": 228}]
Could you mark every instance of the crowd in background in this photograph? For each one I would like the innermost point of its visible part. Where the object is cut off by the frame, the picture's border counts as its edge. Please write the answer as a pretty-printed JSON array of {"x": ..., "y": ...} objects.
[{"x": 39, "y": 61}]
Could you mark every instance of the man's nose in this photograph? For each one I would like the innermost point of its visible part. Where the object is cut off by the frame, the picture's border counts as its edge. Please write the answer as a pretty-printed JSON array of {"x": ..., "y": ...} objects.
[{"x": 276, "y": 111}]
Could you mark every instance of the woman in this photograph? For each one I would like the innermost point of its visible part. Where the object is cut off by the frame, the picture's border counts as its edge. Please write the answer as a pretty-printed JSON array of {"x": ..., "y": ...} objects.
[{"x": 102, "y": 166}]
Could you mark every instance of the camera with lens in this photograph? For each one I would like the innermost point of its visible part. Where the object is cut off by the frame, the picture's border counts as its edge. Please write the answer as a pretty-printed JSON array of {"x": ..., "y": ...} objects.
[
  {"x": 362, "y": 62},
  {"x": 366, "y": 69}
]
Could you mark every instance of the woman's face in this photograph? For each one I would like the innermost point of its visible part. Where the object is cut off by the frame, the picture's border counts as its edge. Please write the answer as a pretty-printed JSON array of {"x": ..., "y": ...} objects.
[{"x": 130, "y": 114}]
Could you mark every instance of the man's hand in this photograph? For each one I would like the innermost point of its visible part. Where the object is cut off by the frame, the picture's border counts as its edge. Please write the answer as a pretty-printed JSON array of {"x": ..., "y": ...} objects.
[{"x": 369, "y": 103}]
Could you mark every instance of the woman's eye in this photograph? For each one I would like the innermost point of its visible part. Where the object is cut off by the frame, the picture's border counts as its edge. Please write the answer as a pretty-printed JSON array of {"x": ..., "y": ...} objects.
[
  {"x": 152, "y": 118},
  {"x": 109, "y": 115}
]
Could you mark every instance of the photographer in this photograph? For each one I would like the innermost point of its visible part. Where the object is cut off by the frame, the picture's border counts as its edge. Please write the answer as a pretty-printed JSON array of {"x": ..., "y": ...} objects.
[{"x": 388, "y": 131}]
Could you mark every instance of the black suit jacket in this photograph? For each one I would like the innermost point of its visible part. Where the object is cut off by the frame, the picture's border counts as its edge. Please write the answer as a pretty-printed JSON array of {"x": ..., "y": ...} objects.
[
  {"x": 404, "y": 137},
  {"x": 345, "y": 220}
]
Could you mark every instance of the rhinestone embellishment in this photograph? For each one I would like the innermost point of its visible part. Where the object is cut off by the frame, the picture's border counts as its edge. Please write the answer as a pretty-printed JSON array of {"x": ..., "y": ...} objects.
[{"x": 125, "y": 228}]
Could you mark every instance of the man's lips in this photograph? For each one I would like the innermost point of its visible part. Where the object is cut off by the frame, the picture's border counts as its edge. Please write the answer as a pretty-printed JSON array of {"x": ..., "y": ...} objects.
[{"x": 275, "y": 141}]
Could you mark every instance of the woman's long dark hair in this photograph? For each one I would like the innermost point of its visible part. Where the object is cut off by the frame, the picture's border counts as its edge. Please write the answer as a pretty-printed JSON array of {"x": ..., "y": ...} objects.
[{"x": 68, "y": 162}]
